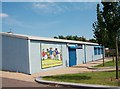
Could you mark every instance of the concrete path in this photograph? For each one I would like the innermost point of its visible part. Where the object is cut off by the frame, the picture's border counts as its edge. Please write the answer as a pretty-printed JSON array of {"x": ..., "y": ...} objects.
[
  {"x": 8, "y": 82},
  {"x": 28, "y": 79},
  {"x": 76, "y": 69}
]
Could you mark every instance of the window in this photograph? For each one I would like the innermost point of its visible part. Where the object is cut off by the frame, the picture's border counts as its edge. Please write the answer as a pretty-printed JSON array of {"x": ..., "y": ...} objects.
[
  {"x": 99, "y": 51},
  {"x": 95, "y": 51}
]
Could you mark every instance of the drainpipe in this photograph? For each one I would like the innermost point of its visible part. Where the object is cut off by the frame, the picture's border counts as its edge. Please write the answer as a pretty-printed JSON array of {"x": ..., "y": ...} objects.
[{"x": 85, "y": 52}]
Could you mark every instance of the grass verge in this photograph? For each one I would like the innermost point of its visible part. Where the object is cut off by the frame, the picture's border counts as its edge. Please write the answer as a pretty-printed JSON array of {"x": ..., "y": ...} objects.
[
  {"x": 109, "y": 63},
  {"x": 100, "y": 78}
]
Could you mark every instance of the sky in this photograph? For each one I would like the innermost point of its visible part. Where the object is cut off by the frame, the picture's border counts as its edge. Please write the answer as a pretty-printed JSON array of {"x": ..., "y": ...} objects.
[{"x": 49, "y": 19}]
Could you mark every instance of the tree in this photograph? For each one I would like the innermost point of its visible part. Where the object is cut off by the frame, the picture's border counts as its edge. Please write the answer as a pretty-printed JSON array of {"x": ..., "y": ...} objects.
[
  {"x": 107, "y": 27},
  {"x": 55, "y": 37},
  {"x": 93, "y": 40},
  {"x": 70, "y": 37},
  {"x": 111, "y": 14},
  {"x": 100, "y": 32},
  {"x": 60, "y": 37}
]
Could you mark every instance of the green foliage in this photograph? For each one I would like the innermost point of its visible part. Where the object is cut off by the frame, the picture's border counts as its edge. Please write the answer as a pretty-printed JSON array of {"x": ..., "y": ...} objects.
[
  {"x": 93, "y": 40},
  {"x": 100, "y": 32},
  {"x": 76, "y": 38},
  {"x": 101, "y": 78},
  {"x": 70, "y": 37},
  {"x": 111, "y": 14},
  {"x": 107, "y": 26}
]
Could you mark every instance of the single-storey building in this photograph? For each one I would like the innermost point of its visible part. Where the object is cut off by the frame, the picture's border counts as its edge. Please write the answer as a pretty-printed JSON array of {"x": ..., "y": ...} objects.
[{"x": 31, "y": 54}]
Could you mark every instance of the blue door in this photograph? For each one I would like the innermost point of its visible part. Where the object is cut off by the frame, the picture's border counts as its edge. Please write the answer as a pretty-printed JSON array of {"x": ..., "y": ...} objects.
[{"x": 72, "y": 57}]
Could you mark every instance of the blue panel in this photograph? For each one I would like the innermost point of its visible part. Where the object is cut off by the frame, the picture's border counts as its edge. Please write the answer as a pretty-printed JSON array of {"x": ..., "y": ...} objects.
[
  {"x": 72, "y": 47},
  {"x": 72, "y": 57}
]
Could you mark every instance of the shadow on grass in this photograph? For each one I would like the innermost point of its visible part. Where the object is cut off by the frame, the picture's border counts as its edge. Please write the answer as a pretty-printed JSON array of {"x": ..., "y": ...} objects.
[{"x": 68, "y": 77}]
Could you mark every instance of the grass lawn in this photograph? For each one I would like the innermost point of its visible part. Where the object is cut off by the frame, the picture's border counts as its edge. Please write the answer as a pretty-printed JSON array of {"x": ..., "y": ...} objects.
[
  {"x": 50, "y": 63},
  {"x": 110, "y": 63},
  {"x": 100, "y": 78}
]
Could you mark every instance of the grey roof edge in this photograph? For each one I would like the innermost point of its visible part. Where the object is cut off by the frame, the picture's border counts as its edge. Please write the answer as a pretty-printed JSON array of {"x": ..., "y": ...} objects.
[
  {"x": 14, "y": 35},
  {"x": 61, "y": 40},
  {"x": 46, "y": 39},
  {"x": 78, "y": 85}
]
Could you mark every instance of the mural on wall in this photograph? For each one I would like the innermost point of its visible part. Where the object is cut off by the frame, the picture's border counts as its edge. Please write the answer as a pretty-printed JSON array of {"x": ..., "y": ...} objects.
[{"x": 51, "y": 55}]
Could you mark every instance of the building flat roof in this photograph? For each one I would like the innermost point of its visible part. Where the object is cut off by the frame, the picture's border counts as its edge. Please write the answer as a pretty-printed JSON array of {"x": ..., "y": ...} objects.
[{"x": 27, "y": 37}]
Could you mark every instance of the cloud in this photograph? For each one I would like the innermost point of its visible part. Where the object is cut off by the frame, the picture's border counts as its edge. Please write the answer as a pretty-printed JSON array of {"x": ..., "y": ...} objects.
[
  {"x": 40, "y": 5},
  {"x": 60, "y": 7},
  {"x": 48, "y": 7},
  {"x": 3, "y": 15}
]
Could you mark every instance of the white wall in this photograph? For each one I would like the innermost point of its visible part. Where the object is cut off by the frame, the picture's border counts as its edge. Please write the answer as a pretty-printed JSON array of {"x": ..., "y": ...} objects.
[
  {"x": 35, "y": 56},
  {"x": 89, "y": 53},
  {"x": 24, "y": 56},
  {"x": 96, "y": 57},
  {"x": 90, "y": 56},
  {"x": 0, "y": 52},
  {"x": 80, "y": 56},
  {"x": 15, "y": 55},
  {"x": 65, "y": 55}
]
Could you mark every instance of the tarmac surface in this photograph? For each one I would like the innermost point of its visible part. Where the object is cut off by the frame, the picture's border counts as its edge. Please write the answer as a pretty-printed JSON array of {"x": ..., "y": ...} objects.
[{"x": 14, "y": 79}]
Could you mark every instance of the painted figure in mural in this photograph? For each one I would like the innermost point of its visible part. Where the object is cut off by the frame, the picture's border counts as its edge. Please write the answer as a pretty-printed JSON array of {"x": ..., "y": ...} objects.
[
  {"x": 43, "y": 54},
  {"x": 59, "y": 57},
  {"x": 51, "y": 53},
  {"x": 56, "y": 53},
  {"x": 48, "y": 53},
  {"x": 60, "y": 54}
]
